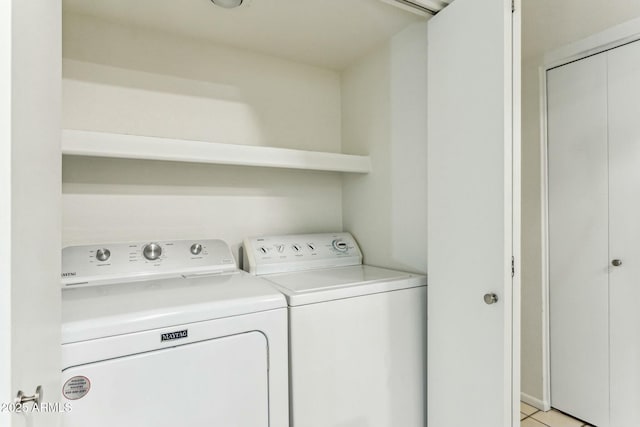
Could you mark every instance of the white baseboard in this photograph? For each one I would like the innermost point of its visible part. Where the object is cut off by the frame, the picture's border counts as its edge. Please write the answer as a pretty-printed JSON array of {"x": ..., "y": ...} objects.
[{"x": 535, "y": 402}]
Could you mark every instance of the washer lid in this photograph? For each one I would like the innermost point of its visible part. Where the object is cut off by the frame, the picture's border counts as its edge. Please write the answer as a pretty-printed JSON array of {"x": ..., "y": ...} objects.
[
  {"x": 102, "y": 311},
  {"x": 329, "y": 284}
]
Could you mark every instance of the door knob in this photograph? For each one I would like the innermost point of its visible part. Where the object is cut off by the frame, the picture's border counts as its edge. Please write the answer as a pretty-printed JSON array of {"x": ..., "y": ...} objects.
[
  {"x": 490, "y": 298},
  {"x": 21, "y": 399},
  {"x": 616, "y": 262}
]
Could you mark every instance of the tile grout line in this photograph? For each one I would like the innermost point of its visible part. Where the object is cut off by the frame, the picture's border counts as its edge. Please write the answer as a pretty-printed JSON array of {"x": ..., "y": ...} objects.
[
  {"x": 531, "y": 415},
  {"x": 547, "y": 425},
  {"x": 528, "y": 416}
]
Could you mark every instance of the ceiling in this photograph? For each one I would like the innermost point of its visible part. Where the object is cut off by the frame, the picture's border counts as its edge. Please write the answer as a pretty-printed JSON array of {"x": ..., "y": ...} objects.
[{"x": 326, "y": 33}]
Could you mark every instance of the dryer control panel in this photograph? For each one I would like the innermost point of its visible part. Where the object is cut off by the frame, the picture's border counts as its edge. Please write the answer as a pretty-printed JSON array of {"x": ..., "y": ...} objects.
[
  {"x": 299, "y": 252},
  {"x": 107, "y": 263}
]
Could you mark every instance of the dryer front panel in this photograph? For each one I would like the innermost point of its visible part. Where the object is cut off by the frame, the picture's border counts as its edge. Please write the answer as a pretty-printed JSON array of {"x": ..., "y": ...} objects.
[{"x": 217, "y": 382}]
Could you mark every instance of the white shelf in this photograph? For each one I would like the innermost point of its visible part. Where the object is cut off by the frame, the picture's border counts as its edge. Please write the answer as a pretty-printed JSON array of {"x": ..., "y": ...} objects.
[{"x": 102, "y": 144}]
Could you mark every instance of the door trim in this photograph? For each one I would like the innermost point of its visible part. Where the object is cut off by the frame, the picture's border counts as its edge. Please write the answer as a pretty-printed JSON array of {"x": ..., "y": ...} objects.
[
  {"x": 6, "y": 392},
  {"x": 516, "y": 207},
  {"x": 611, "y": 38}
]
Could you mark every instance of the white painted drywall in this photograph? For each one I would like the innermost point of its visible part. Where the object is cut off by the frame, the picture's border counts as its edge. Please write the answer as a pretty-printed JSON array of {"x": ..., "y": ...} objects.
[
  {"x": 547, "y": 25},
  {"x": 131, "y": 80},
  {"x": 127, "y": 80},
  {"x": 384, "y": 116}
]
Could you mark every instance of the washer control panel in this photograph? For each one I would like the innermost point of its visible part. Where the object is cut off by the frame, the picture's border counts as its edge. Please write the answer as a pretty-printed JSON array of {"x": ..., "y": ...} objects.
[
  {"x": 116, "y": 262},
  {"x": 281, "y": 254}
]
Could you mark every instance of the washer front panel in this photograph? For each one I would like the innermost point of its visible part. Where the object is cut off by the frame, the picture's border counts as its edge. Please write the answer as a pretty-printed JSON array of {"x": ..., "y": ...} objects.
[{"x": 364, "y": 358}]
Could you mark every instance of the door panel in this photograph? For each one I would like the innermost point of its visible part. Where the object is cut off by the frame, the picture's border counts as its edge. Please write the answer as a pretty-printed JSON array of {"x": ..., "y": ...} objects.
[
  {"x": 470, "y": 214},
  {"x": 624, "y": 226},
  {"x": 578, "y": 260},
  {"x": 30, "y": 188}
]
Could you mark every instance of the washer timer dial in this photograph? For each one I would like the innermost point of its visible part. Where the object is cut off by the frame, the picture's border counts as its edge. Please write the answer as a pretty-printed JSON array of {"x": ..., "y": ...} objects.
[
  {"x": 152, "y": 251},
  {"x": 340, "y": 245}
]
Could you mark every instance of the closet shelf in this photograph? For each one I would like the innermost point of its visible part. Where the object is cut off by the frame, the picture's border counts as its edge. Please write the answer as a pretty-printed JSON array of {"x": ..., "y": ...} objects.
[{"x": 103, "y": 144}]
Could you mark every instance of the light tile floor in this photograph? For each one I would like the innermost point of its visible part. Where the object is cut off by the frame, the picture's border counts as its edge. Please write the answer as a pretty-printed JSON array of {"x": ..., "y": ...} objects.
[{"x": 532, "y": 417}]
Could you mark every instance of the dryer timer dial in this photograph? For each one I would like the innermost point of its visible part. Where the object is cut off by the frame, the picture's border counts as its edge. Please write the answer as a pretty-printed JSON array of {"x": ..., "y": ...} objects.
[{"x": 152, "y": 251}]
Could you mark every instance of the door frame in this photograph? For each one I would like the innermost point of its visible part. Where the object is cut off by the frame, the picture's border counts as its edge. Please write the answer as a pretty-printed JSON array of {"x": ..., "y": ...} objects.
[
  {"x": 608, "y": 39},
  {"x": 516, "y": 209},
  {"x": 5, "y": 208}
]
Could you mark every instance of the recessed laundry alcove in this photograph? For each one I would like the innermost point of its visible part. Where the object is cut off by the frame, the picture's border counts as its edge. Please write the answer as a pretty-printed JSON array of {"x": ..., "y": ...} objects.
[{"x": 245, "y": 96}]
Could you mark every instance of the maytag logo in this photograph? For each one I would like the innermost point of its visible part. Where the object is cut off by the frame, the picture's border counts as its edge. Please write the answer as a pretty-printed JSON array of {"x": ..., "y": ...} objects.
[
  {"x": 69, "y": 274},
  {"x": 169, "y": 336}
]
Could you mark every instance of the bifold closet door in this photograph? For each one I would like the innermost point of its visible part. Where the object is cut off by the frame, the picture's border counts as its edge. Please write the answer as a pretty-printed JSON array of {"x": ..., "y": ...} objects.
[
  {"x": 470, "y": 215},
  {"x": 624, "y": 229},
  {"x": 578, "y": 239}
]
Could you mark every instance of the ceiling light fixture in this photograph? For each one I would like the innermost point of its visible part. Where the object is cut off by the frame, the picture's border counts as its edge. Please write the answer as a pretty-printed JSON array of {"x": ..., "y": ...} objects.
[{"x": 227, "y": 4}]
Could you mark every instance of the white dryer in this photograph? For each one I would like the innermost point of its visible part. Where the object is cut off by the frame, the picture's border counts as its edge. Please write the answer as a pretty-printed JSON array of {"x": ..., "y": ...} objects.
[
  {"x": 357, "y": 333},
  {"x": 170, "y": 334}
]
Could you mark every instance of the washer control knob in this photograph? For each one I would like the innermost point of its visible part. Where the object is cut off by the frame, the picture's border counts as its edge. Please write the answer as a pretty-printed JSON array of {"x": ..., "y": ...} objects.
[
  {"x": 296, "y": 247},
  {"x": 339, "y": 245},
  {"x": 196, "y": 249},
  {"x": 152, "y": 251},
  {"x": 280, "y": 248},
  {"x": 103, "y": 254}
]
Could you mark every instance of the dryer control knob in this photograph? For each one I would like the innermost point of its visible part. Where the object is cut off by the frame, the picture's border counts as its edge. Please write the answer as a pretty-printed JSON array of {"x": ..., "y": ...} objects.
[
  {"x": 196, "y": 248},
  {"x": 103, "y": 254},
  {"x": 152, "y": 251}
]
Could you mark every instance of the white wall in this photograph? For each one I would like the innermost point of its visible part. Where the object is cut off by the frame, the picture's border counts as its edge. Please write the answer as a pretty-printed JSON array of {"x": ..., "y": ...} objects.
[
  {"x": 547, "y": 25},
  {"x": 384, "y": 115},
  {"x": 127, "y": 80}
]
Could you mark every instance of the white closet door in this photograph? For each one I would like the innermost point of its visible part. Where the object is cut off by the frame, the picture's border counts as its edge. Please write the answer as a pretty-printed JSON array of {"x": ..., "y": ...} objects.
[
  {"x": 624, "y": 226},
  {"x": 470, "y": 214},
  {"x": 578, "y": 242},
  {"x": 30, "y": 180}
]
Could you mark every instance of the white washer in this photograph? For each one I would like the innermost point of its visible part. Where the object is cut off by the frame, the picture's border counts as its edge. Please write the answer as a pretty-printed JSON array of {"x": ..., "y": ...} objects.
[
  {"x": 357, "y": 333},
  {"x": 170, "y": 334}
]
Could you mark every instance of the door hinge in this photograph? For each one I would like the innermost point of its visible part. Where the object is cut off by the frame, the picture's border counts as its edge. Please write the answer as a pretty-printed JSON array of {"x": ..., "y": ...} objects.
[
  {"x": 513, "y": 267},
  {"x": 513, "y": 6}
]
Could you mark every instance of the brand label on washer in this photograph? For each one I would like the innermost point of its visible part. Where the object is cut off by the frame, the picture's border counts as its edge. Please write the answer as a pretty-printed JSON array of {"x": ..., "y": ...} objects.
[
  {"x": 76, "y": 387},
  {"x": 170, "y": 336}
]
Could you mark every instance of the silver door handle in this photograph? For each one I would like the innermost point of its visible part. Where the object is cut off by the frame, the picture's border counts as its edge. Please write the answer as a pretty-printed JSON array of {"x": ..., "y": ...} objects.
[
  {"x": 21, "y": 399},
  {"x": 490, "y": 298},
  {"x": 616, "y": 262}
]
